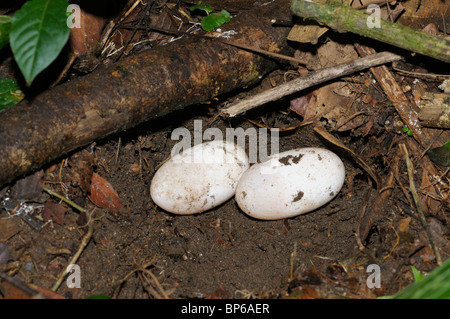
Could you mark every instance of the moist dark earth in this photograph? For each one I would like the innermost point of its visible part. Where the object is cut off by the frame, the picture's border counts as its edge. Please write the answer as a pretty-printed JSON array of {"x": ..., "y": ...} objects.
[{"x": 145, "y": 252}]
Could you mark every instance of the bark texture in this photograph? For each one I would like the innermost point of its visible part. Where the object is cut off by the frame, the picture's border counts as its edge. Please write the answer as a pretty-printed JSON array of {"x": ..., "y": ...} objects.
[{"x": 137, "y": 89}]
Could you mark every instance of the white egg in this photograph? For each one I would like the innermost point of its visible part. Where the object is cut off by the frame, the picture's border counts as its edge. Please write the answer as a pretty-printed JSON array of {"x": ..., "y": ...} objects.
[
  {"x": 199, "y": 178},
  {"x": 290, "y": 183}
]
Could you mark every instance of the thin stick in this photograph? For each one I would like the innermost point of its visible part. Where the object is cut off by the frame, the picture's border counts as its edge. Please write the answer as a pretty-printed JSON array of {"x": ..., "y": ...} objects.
[
  {"x": 310, "y": 80},
  {"x": 393, "y": 91},
  {"x": 156, "y": 281},
  {"x": 412, "y": 188},
  {"x": 75, "y": 257},
  {"x": 67, "y": 201},
  {"x": 292, "y": 261},
  {"x": 217, "y": 38},
  {"x": 119, "y": 143},
  {"x": 121, "y": 281}
]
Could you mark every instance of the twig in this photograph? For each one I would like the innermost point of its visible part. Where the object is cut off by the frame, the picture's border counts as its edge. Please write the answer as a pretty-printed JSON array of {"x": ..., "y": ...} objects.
[
  {"x": 119, "y": 143},
  {"x": 216, "y": 38},
  {"x": 292, "y": 261},
  {"x": 397, "y": 241},
  {"x": 393, "y": 91},
  {"x": 310, "y": 80},
  {"x": 20, "y": 285},
  {"x": 413, "y": 191},
  {"x": 66, "y": 200},
  {"x": 421, "y": 74},
  {"x": 157, "y": 284},
  {"x": 365, "y": 5},
  {"x": 84, "y": 242},
  {"x": 358, "y": 236},
  {"x": 121, "y": 281}
]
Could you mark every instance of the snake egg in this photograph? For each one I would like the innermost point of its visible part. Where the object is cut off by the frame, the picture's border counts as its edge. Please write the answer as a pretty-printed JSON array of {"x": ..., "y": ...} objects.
[
  {"x": 199, "y": 178},
  {"x": 290, "y": 183}
]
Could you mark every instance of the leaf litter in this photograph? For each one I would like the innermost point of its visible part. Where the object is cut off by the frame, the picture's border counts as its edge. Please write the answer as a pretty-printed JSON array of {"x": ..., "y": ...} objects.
[{"x": 139, "y": 251}]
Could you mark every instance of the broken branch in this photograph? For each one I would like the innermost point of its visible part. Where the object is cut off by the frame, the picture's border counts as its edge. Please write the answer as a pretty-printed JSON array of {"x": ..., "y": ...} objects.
[
  {"x": 310, "y": 80},
  {"x": 393, "y": 91},
  {"x": 343, "y": 18},
  {"x": 84, "y": 242}
]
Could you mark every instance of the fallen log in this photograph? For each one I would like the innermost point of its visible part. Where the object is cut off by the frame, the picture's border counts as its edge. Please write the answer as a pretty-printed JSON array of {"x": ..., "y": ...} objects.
[
  {"x": 343, "y": 18},
  {"x": 137, "y": 89}
]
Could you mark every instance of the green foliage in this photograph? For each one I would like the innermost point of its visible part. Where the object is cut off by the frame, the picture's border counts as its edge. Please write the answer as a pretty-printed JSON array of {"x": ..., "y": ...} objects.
[
  {"x": 434, "y": 286},
  {"x": 441, "y": 154},
  {"x": 38, "y": 33},
  {"x": 215, "y": 20},
  {"x": 202, "y": 6},
  {"x": 5, "y": 27},
  {"x": 212, "y": 20},
  {"x": 407, "y": 130},
  {"x": 98, "y": 297},
  {"x": 417, "y": 274},
  {"x": 10, "y": 93}
]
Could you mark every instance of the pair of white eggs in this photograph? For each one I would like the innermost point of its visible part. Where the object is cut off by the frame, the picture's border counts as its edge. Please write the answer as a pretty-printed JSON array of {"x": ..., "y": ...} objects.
[{"x": 286, "y": 185}]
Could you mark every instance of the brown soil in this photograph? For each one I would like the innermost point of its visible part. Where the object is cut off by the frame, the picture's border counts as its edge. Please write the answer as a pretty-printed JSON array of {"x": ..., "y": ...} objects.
[
  {"x": 145, "y": 252},
  {"x": 222, "y": 252}
]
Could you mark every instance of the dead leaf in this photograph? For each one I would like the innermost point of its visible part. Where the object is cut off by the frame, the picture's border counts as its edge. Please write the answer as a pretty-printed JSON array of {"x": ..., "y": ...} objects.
[
  {"x": 219, "y": 293},
  {"x": 29, "y": 189},
  {"x": 83, "y": 219},
  {"x": 84, "y": 38},
  {"x": 5, "y": 256},
  {"x": 309, "y": 292},
  {"x": 332, "y": 53},
  {"x": 8, "y": 228},
  {"x": 15, "y": 289},
  {"x": 82, "y": 167},
  {"x": 351, "y": 123},
  {"x": 306, "y": 33},
  {"x": 403, "y": 224},
  {"x": 104, "y": 195},
  {"x": 55, "y": 212},
  {"x": 418, "y": 13},
  {"x": 328, "y": 104},
  {"x": 430, "y": 29},
  {"x": 300, "y": 105}
]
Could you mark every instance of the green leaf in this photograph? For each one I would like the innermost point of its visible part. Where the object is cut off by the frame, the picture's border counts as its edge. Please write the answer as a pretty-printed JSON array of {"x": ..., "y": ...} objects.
[
  {"x": 434, "y": 286},
  {"x": 5, "y": 27},
  {"x": 417, "y": 275},
  {"x": 202, "y": 6},
  {"x": 10, "y": 93},
  {"x": 441, "y": 154},
  {"x": 215, "y": 20},
  {"x": 407, "y": 130},
  {"x": 98, "y": 297},
  {"x": 39, "y": 31}
]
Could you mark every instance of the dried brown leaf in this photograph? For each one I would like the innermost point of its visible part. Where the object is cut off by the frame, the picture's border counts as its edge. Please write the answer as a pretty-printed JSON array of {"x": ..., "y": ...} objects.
[
  {"x": 104, "y": 195},
  {"x": 55, "y": 212}
]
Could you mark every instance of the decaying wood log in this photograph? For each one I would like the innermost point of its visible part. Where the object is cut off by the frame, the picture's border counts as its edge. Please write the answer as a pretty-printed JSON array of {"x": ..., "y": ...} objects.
[
  {"x": 343, "y": 18},
  {"x": 137, "y": 89},
  {"x": 435, "y": 110}
]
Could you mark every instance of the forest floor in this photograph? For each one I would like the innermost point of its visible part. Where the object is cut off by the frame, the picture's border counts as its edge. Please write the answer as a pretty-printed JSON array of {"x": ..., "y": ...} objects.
[{"x": 142, "y": 251}]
